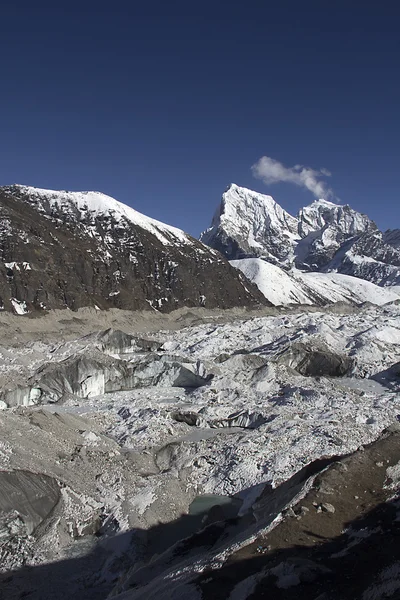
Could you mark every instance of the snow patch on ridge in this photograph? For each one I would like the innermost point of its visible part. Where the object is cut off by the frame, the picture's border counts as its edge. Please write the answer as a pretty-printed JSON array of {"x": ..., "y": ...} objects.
[
  {"x": 24, "y": 266},
  {"x": 19, "y": 306}
]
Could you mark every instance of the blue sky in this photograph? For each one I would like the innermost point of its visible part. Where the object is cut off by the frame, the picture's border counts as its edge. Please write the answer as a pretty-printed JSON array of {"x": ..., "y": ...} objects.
[{"x": 163, "y": 104}]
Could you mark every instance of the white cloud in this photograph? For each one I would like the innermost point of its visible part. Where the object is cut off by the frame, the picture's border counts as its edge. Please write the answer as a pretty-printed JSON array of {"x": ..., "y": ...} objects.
[{"x": 272, "y": 171}]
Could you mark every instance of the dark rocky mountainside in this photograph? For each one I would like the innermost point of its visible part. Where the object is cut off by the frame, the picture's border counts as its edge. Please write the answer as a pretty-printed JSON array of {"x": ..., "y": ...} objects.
[{"x": 69, "y": 250}]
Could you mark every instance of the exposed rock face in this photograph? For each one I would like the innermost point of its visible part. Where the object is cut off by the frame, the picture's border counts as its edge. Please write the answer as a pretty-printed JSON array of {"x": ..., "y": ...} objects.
[
  {"x": 368, "y": 256},
  {"x": 323, "y": 228},
  {"x": 323, "y": 237},
  {"x": 69, "y": 249},
  {"x": 322, "y": 213}
]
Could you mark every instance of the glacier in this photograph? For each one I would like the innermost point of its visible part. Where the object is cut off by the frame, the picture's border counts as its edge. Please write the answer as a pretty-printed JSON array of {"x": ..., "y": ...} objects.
[{"x": 290, "y": 386}]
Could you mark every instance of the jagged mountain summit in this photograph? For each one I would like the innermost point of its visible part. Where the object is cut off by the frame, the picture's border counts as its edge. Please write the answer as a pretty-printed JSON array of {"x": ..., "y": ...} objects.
[
  {"x": 75, "y": 249},
  {"x": 248, "y": 224},
  {"x": 323, "y": 237}
]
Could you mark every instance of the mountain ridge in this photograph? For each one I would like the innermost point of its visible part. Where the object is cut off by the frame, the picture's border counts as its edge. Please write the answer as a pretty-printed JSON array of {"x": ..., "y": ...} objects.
[
  {"x": 323, "y": 237},
  {"x": 73, "y": 249},
  {"x": 64, "y": 249}
]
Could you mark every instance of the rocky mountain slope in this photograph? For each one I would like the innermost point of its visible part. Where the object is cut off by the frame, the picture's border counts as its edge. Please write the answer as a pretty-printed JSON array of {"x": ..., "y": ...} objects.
[
  {"x": 70, "y": 249},
  {"x": 323, "y": 237}
]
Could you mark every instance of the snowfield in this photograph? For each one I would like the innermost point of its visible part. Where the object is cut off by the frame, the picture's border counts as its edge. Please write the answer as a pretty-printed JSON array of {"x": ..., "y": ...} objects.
[{"x": 298, "y": 287}]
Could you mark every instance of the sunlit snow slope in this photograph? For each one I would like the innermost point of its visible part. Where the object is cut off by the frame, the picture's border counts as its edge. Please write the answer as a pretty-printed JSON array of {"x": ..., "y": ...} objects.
[
  {"x": 98, "y": 204},
  {"x": 296, "y": 287}
]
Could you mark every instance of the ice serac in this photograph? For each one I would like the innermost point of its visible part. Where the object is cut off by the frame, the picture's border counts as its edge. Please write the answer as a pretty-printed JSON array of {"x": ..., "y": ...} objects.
[
  {"x": 75, "y": 249},
  {"x": 248, "y": 224}
]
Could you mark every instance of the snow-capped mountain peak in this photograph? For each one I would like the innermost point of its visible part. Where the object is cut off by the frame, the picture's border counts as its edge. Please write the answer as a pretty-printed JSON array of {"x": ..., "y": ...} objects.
[
  {"x": 74, "y": 249},
  {"x": 92, "y": 204},
  {"x": 248, "y": 222},
  {"x": 324, "y": 236},
  {"x": 323, "y": 213}
]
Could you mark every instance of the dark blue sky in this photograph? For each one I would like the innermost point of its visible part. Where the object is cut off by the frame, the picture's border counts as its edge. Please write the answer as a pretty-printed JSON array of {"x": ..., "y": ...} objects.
[{"x": 163, "y": 104}]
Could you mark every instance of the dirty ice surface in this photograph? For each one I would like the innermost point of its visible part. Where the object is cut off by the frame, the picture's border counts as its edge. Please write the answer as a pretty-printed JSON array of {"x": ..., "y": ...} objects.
[
  {"x": 270, "y": 395},
  {"x": 302, "y": 417}
]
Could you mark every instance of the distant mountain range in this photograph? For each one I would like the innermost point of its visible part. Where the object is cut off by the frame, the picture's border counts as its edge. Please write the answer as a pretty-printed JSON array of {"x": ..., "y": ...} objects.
[
  {"x": 72, "y": 249},
  {"x": 323, "y": 237},
  {"x": 276, "y": 250}
]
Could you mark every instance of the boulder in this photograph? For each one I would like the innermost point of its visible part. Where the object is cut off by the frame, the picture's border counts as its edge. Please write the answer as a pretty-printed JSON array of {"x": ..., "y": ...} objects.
[
  {"x": 26, "y": 499},
  {"x": 314, "y": 361}
]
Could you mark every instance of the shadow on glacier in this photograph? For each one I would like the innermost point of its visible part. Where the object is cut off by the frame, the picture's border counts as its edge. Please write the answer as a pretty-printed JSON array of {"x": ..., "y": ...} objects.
[
  {"x": 389, "y": 378},
  {"x": 328, "y": 569},
  {"x": 95, "y": 572},
  {"x": 149, "y": 554}
]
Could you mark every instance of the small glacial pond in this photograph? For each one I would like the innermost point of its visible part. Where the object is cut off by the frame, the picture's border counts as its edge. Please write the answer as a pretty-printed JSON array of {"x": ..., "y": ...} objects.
[{"x": 202, "y": 504}]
